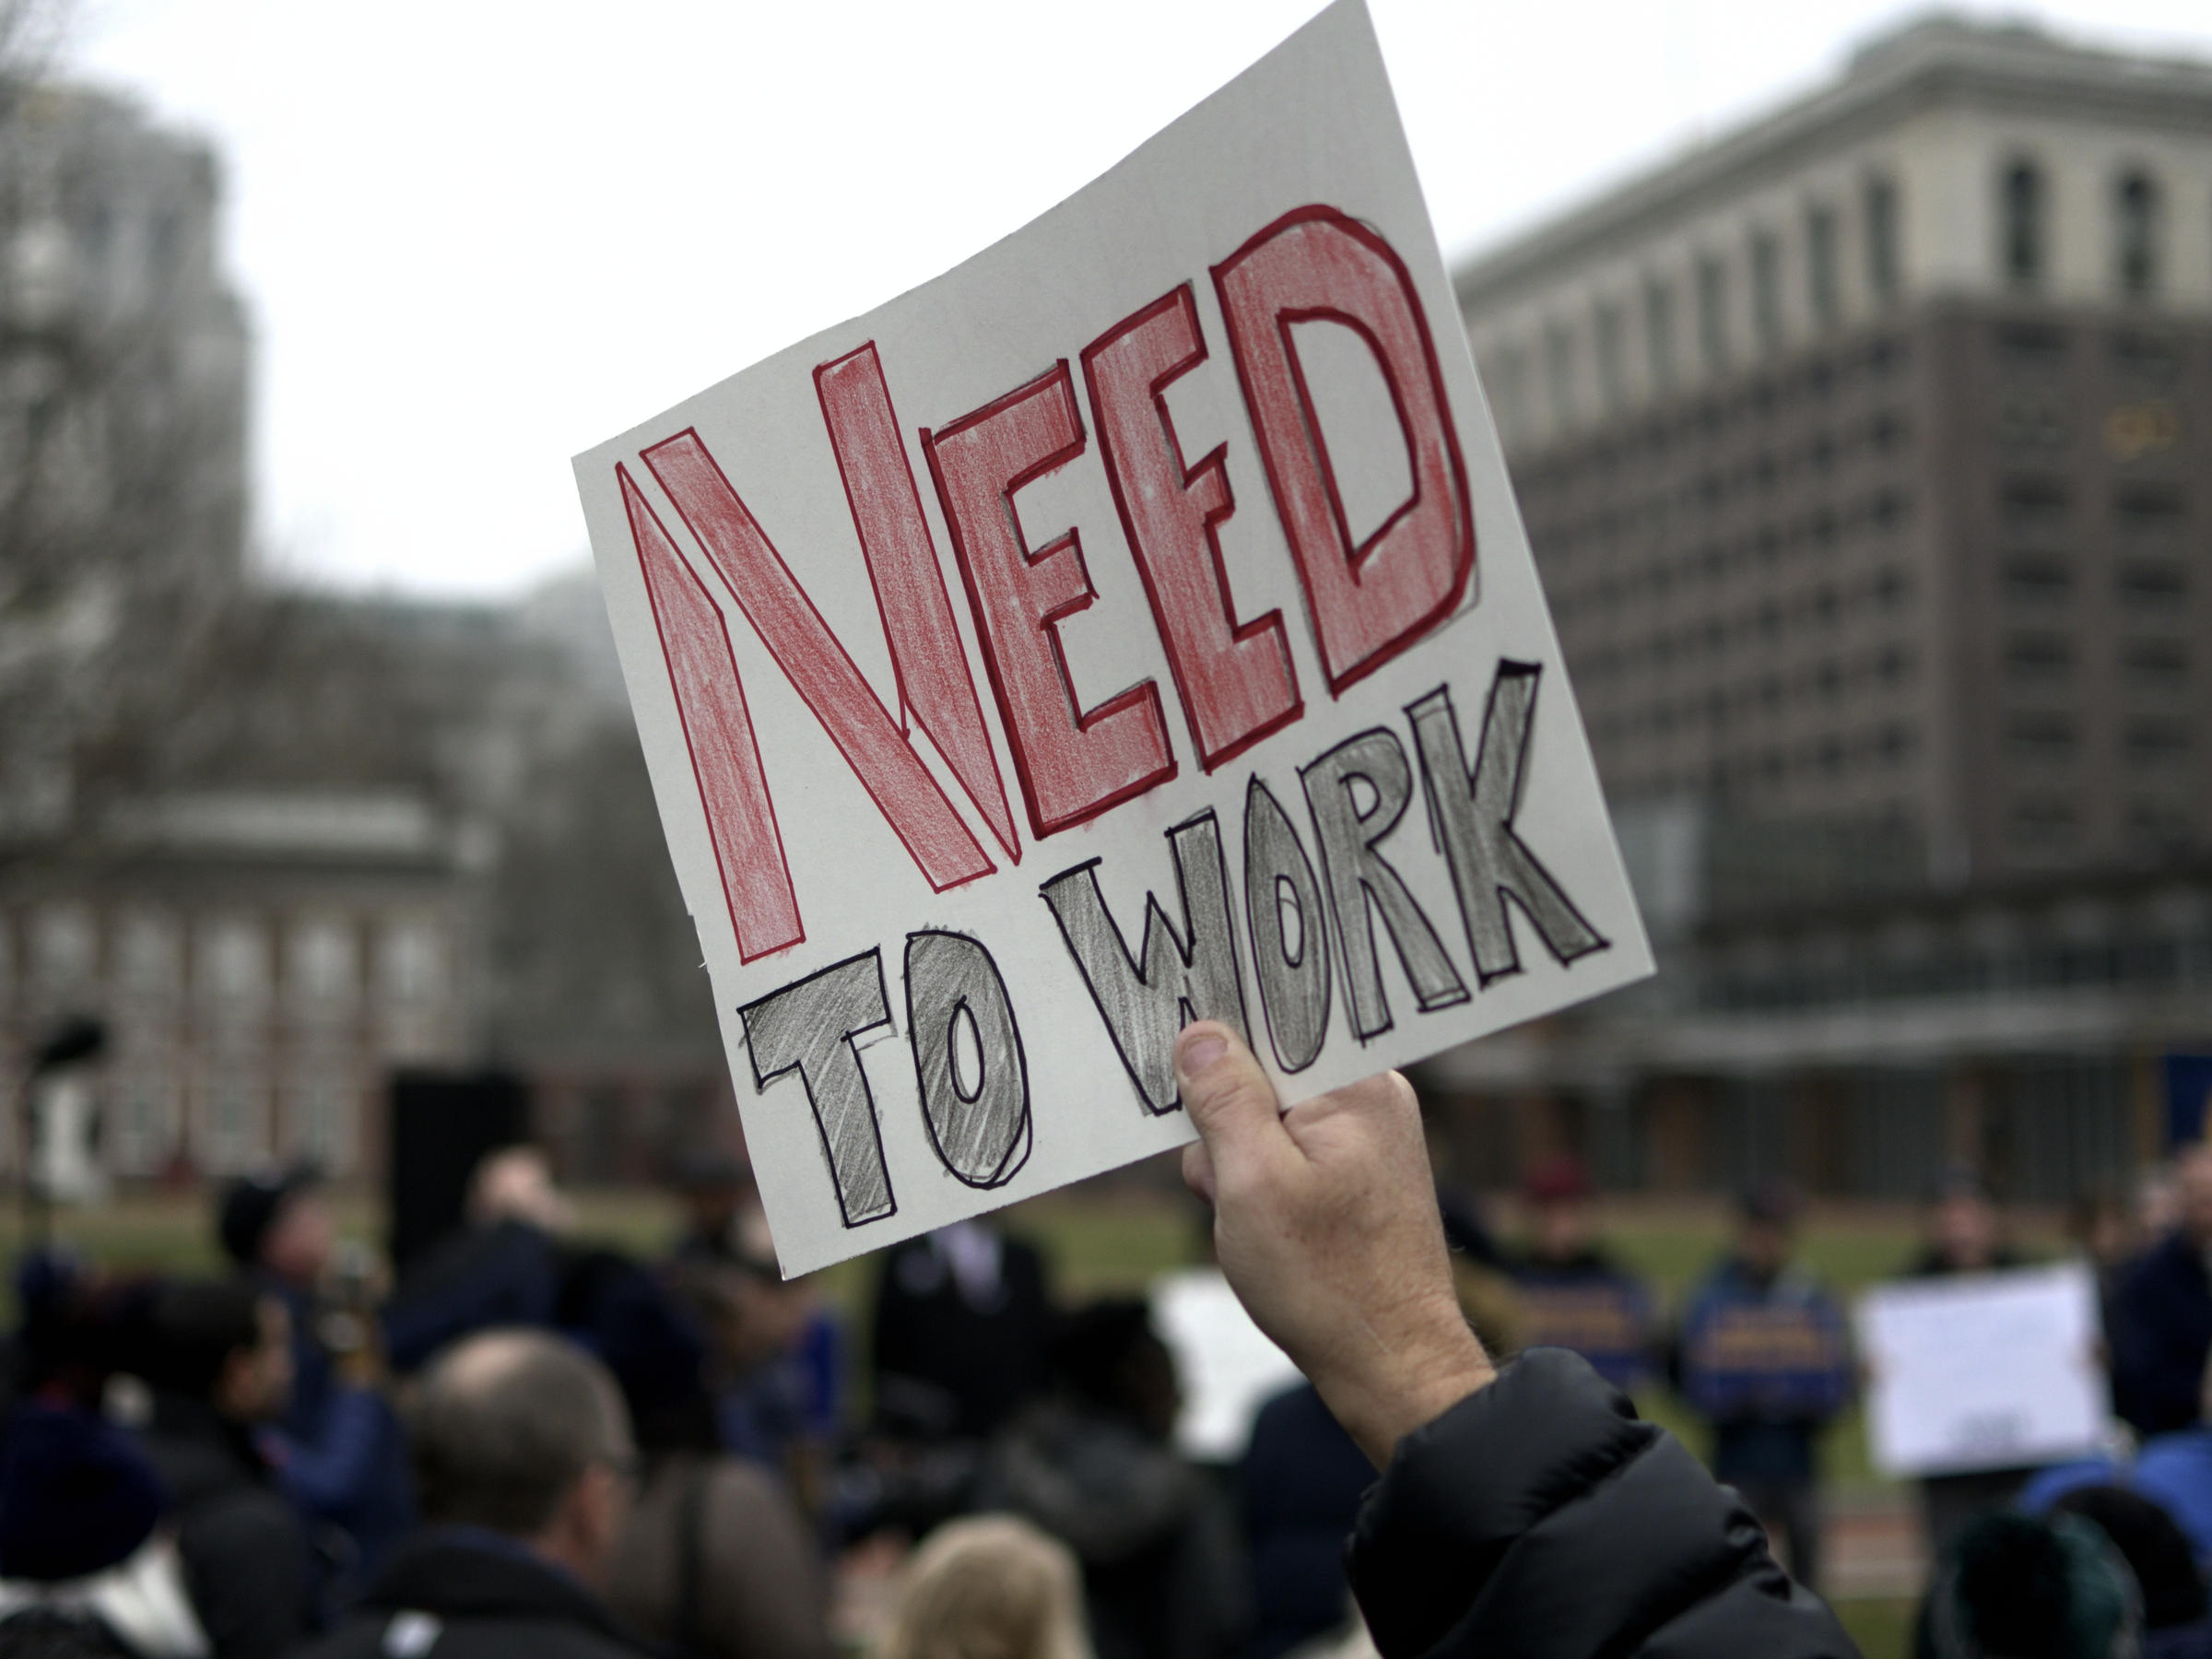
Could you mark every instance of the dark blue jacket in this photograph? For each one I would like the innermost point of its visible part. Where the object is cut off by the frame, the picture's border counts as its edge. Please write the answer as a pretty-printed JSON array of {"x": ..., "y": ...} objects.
[
  {"x": 1303, "y": 1481},
  {"x": 1766, "y": 1363},
  {"x": 506, "y": 1274},
  {"x": 2161, "y": 1317},
  {"x": 1594, "y": 1307},
  {"x": 338, "y": 1452}
]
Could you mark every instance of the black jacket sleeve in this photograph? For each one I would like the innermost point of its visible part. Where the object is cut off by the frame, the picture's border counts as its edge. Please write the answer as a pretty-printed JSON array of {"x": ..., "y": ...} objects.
[
  {"x": 245, "y": 1564},
  {"x": 1539, "y": 1517}
]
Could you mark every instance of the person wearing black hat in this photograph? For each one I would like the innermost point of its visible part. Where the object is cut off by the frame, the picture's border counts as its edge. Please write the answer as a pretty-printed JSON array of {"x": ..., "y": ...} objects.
[
  {"x": 85, "y": 1560},
  {"x": 216, "y": 1355},
  {"x": 1765, "y": 1358},
  {"x": 338, "y": 1448},
  {"x": 82, "y": 1544},
  {"x": 2177, "y": 1616}
]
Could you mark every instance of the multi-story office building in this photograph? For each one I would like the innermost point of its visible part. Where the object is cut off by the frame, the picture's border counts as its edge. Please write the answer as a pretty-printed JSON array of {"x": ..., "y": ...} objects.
[{"x": 1867, "y": 454}]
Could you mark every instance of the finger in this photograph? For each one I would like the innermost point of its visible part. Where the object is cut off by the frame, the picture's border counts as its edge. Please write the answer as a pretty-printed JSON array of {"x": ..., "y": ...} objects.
[
  {"x": 1198, "y": 1171},
  {"x": 1232, "y": 1103}
]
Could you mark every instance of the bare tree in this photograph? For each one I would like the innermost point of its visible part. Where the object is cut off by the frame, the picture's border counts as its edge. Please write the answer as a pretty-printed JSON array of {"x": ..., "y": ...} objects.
[{"x": 124, "y": 599}]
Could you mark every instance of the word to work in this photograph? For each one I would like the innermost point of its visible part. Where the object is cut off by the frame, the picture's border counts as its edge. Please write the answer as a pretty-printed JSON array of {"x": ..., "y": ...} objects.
[{"x": 1317, "y": 777}]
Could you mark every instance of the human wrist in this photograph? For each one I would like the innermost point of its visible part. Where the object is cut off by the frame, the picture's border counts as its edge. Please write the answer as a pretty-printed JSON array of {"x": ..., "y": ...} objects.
[{"x": 1384, "y": 1404}]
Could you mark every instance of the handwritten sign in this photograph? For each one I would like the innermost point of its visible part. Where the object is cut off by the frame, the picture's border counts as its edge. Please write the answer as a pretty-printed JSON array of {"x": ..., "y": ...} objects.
[
  {"x": 1986, "y": 1370},
  {"x": 1132, "y": 625}
]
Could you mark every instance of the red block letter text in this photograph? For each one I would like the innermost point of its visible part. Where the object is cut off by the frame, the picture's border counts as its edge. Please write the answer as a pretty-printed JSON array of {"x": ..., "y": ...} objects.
[
  {"x": 817, "y": 665},
  {"x": 1074, "y": 765},
  {"x": 934, "y": 680},
  {"x": 1237, "y": 683},
  {"x": 1372, "y": 601},
  {"x": 741, "y": 820}
]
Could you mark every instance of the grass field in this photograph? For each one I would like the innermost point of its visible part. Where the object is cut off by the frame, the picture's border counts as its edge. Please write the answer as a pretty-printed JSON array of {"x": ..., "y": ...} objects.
[{"x": 1117, "y": 1242}]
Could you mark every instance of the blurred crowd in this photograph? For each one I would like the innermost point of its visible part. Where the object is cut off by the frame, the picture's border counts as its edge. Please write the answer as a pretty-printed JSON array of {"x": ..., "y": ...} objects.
[{"x": 533, "y": 1441}]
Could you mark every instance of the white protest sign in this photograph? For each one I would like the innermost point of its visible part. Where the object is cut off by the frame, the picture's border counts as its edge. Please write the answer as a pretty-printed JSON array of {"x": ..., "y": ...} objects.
[
  {"x": 1227, "y": 1367},
  {"x": 1133, "y": 624},
  {"x": 1987, "y": 1370}
]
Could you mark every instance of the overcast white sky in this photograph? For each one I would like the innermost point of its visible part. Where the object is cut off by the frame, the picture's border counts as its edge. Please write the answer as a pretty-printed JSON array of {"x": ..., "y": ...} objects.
[{"x": 476, "y": 237}]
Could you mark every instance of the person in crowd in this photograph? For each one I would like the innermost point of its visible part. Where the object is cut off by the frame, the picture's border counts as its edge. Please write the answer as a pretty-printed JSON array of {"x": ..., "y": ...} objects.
[
  {"x": 2157, "y": 1201},
  {"x": 505, "y": 1267},
  {"x": 88, "y": 1560},
  {"x": 1765, "y": 1360},
  {"x": 715, "y": 1559},
  {"x": 2038, "y": 1588},
  {"x": 1521, "y": 1510},
  {"x": 2177, "y": 1617},
  {"x": 990, "y": 1587},
  {"x": 2161, "y": 1331},
  {"x": 963, "y": 1319},
  {"x": 1303, "y": 1482},
  {"x": 216, "y": 1355},
  {"x": 2172, "y": 1469},
  {"x": 715, "y": 1189},
  {"x": 524, "y": 1464},
  {"x": 1570, "y": 1292},
  {"x": 1964, "y": 1234},
  {"x": 1480, "y": 1268},
  {"x": 1094, "y": 1466},
  {"x": 338, "y": 1448},
  {"x": 780, "y": 1360}
]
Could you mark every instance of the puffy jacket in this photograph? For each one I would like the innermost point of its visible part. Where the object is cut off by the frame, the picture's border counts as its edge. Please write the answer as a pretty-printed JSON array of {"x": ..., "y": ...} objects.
[
  {"x": 1539, "y": 1517},
  {"x": 455, "y": 1593}
]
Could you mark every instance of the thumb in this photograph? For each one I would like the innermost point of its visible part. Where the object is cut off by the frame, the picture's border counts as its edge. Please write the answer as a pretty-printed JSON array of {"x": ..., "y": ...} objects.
[{"x": 1233, "y": 1104}]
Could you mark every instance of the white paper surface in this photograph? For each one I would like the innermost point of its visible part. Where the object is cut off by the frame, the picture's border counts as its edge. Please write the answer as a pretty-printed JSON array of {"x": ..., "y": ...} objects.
[
  {"x": 1237, "y": 345},
  {"x": 1983, "y": 1371},
  {"x": 1226, "y": 1365}
]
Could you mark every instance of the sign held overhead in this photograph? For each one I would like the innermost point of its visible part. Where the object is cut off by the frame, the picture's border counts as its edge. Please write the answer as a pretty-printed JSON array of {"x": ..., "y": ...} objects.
[{"x": 1132, "y": 626}]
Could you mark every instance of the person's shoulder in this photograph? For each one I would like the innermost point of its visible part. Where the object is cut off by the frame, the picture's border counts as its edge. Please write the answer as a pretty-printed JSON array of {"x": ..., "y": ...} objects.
[{"x": 411, "y": 1634}]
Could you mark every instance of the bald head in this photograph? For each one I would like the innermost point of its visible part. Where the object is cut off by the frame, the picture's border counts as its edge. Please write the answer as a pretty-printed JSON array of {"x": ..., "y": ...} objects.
[{"x": 505, "y": 1424}]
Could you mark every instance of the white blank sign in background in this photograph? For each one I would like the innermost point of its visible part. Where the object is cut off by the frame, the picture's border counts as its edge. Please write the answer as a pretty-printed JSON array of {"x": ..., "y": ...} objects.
[{"x": 1988, "y": 1370}]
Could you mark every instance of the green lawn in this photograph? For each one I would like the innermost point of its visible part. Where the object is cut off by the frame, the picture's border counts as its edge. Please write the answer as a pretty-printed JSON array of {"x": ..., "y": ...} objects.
[{"x": 1882, "y": 1629}]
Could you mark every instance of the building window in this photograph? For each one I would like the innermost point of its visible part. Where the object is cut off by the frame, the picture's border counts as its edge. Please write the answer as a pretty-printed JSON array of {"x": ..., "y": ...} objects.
[
  {"x": 1823, "y": 287},
  {"x": 1659, "y": 333},
  {"x": 2149, "y": 511},
  {"x": 2162, "y": 663},
  {"x": 2037, "y": 581},
  {"x": 1612, "y": 389},
  {"x": 2136, "y": 205},
  {"x": 2042, "y": 737},
  {"x": 2023, "y": 221},
  {"x": 2037, "y": 658},
  {"x": 1559, "y": 363},
  {"x": 2156, "y": 741},
  {"x": 1765, "y": 290},
  {"x": 1712, "y": 314},
  {"x": 2043, "y": 822},
  {"x": 1884, "y": 272},
  {"x": 2033, "y": 502},
  {"x": 2162, "y": 824},
  {"x": 2149, "y": 584}
]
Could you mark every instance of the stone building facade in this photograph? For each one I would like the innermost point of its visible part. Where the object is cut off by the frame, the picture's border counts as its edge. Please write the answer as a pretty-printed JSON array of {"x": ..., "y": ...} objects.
[{"x": 1867, "y": 454}]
